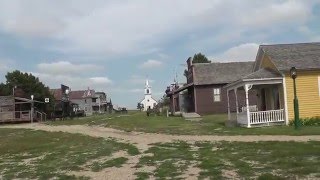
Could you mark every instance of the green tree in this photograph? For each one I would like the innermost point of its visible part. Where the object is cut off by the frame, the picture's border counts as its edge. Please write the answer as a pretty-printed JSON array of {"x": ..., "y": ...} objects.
[
  {"x": 200, "y": 58},
  {"x": 29, "y": 84},
  {"x": 165, "y": 101},
  {"x": 197, "y": 58},
  {"x": 140, "y": 106}
]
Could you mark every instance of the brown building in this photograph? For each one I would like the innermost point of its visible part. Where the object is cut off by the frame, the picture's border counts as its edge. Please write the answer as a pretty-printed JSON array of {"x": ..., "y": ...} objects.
[{"x": 204, "y": 92}]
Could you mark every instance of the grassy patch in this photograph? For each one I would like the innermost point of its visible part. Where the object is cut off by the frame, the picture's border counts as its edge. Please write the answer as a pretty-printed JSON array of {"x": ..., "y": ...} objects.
[
  {"x": 171, "y": 159},
  {"x": 142, "y": 175},
  {"x": 210, "y": 125},
  {"x": 117, "y": 162},
  {"x": 258, "y": 160},
  {"x": 31, "y": 154}
]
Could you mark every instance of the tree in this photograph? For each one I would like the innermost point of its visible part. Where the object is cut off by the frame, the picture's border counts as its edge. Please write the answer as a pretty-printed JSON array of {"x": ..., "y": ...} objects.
[
  {"x": 200, "y": 58},
  {"x": 164, "y": 101},
  {"x": 140, "y": 106},
  {"x": 197, "y": 58},
  {"x": 28, "y": 84}
]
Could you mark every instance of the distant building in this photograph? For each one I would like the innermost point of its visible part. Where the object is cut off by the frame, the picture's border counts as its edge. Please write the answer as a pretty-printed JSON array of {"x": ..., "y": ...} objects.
[
  {"x": 148, "y": 101},
  {"x": 87, "y": 100}
]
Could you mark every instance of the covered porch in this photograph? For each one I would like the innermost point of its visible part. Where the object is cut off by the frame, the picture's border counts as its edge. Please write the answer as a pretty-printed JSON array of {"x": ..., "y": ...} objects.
[
  {"x": 270, "y": 108},
  {"x": 181, "y": 99}
]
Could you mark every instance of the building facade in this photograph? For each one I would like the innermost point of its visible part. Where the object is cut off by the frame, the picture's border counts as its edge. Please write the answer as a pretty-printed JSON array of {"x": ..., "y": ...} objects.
[
  {"x": 204, "y": 92},
  {"x": 148, "y": 102}
]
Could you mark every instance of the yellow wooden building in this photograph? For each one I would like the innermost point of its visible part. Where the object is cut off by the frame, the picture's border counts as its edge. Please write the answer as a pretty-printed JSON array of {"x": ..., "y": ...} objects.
[{"x": 270, "y": 79}]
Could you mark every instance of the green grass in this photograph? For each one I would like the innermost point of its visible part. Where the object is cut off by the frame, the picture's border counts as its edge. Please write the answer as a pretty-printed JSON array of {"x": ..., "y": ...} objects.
[
  {"x": 117, "y": 162},
  {"x": 27, "y": 154},
  {"x": 210, "y": 125},
  {"x": 258, "y": 160}
]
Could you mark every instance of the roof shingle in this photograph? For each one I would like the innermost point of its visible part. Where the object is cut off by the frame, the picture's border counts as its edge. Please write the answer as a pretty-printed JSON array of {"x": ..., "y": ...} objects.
[
  {"x": 220, "y": 73},
  {"x": 303, "y": 56},
  {"x": 263, "y": 73}
]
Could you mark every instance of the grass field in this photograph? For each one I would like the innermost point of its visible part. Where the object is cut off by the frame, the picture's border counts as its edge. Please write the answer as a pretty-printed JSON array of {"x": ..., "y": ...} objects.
[
  {"x": 235, "y": 160},
  {"x": 210, "y": 125},
  {"x": 28, "y": 154}
]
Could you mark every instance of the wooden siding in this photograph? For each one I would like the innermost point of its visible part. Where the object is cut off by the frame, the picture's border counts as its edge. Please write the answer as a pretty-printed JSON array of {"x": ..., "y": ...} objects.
[
  {"x": 205, "y": 104},
  {"x": 307, "y": 92},
  {"x": 267, "y": 63}
]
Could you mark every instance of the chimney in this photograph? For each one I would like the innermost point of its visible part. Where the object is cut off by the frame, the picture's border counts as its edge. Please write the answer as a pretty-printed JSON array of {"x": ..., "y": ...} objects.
[{"x": 189, "y": 62}]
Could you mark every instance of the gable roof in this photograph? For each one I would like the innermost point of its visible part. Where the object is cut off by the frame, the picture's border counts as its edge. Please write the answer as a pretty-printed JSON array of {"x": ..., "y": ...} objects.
[
  {"x": 57, "y": 93},
  {"x": 220, "y": 73},
  {"x": 263, "y": 73},
  {"x": 303, "y": 56}
]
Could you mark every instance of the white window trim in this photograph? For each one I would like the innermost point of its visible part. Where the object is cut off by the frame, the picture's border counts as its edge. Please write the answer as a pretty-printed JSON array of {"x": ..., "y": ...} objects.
[{"x": 214, "y": 94}]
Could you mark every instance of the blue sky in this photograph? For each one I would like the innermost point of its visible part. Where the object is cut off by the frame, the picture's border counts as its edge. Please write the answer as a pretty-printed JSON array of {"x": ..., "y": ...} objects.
[{"x": 112, "y": 46}]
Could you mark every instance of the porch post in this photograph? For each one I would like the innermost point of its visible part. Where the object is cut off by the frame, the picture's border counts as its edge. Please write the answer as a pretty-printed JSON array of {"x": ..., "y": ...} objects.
[
  {"x": 237, "y": 106},
  {"x": 285, "y": 97},
  {"x": 229, "y": 115},
  {"x": 247, "y": 87}
]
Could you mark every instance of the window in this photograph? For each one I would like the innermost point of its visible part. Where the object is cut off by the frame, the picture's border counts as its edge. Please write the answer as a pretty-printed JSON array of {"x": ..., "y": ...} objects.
[
  {"x": 94, "y": 100},
  {"x": 216, "y": 95}
]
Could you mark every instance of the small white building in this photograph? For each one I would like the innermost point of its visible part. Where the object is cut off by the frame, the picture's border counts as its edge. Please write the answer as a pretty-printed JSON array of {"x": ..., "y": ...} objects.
[{"x": 148, "y": 101}]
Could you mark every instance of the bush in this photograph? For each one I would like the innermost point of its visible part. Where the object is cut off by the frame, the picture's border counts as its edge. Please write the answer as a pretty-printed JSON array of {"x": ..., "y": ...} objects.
[{"x": 313, "y": 121}]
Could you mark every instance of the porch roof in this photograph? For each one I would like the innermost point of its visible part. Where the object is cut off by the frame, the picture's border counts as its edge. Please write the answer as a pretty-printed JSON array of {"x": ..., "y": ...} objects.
[
  {"x": 180, "y": 89},
  {"x": 262, "y": 76},
  {"x": 25, "y": 100}
]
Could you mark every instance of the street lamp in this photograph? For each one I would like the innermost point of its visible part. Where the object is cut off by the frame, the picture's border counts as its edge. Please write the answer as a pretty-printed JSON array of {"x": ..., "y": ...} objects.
[
  {"x": 293, "y": 74},
  {"x": 66, "y": 103},
  {"x": 32, "y": 107}
]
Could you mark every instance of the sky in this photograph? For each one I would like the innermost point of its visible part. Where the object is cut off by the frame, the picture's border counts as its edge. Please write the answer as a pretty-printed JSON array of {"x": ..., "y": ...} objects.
[{"x": 113, "y": 46}]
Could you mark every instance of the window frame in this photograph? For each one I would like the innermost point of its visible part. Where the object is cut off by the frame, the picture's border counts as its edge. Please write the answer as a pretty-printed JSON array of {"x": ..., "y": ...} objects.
[{"x": 216, "y": 94}]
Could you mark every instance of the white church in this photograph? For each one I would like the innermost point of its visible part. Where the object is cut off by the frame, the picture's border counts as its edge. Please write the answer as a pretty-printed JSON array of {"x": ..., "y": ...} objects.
[{"x": 148, "y": 101}]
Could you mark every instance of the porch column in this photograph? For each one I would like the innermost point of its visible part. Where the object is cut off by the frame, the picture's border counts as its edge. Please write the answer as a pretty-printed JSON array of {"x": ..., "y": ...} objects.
[
  {"x": 237, "y": 106},
  {"x": 247, "y": 87},
  {"x": 229, "y": 115}
]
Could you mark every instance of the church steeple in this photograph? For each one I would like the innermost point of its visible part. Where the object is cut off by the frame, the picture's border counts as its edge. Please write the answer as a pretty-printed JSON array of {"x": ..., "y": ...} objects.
[
  {"x": 148, "y": 102},
  {"x": 147, "y": 90}
]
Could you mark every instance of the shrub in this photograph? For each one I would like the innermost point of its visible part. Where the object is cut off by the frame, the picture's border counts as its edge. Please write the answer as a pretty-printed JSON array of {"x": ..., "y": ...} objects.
[{"x": 313, "y": 121}]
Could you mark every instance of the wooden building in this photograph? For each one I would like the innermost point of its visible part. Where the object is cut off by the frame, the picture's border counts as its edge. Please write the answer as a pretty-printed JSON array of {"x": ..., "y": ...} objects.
[
  {"x": 204, "y": 92},
  {"x": 270, "y": 78}
]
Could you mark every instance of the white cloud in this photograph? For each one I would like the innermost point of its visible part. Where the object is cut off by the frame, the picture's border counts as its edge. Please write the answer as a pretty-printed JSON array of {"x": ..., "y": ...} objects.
[
  {"x": 66, "y": 67},
  {"x": 243, "y": 52},
  {"x": 139, "y": 80},
  {"x": 121, "y": 27},
  {"x": 101, "y": 80},
  {"x": 276, "y": 12},
  {"x": 136, "y": 91},
  {"x": 309, "y": 34},
  {"x": 74, "y": 82},
  {"x": 151, "y": 64}
]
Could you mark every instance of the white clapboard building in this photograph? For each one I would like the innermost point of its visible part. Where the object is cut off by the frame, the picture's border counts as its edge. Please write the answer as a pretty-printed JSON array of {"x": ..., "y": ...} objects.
[{"x": 148, "y": 101}]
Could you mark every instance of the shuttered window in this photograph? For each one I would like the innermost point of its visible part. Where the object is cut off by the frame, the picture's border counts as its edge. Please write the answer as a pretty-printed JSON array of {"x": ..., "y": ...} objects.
[{"x": 216, "y": 95}]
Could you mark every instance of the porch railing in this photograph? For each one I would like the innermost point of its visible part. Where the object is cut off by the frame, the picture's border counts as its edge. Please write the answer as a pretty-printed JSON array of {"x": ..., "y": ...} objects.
[
  {"x": 267, "y": 116},
  {"x": 13, "y": 116}
]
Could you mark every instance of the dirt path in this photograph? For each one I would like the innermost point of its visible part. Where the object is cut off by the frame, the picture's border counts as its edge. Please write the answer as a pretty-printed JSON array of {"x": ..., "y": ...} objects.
[{"x": 143, "y": 140}]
